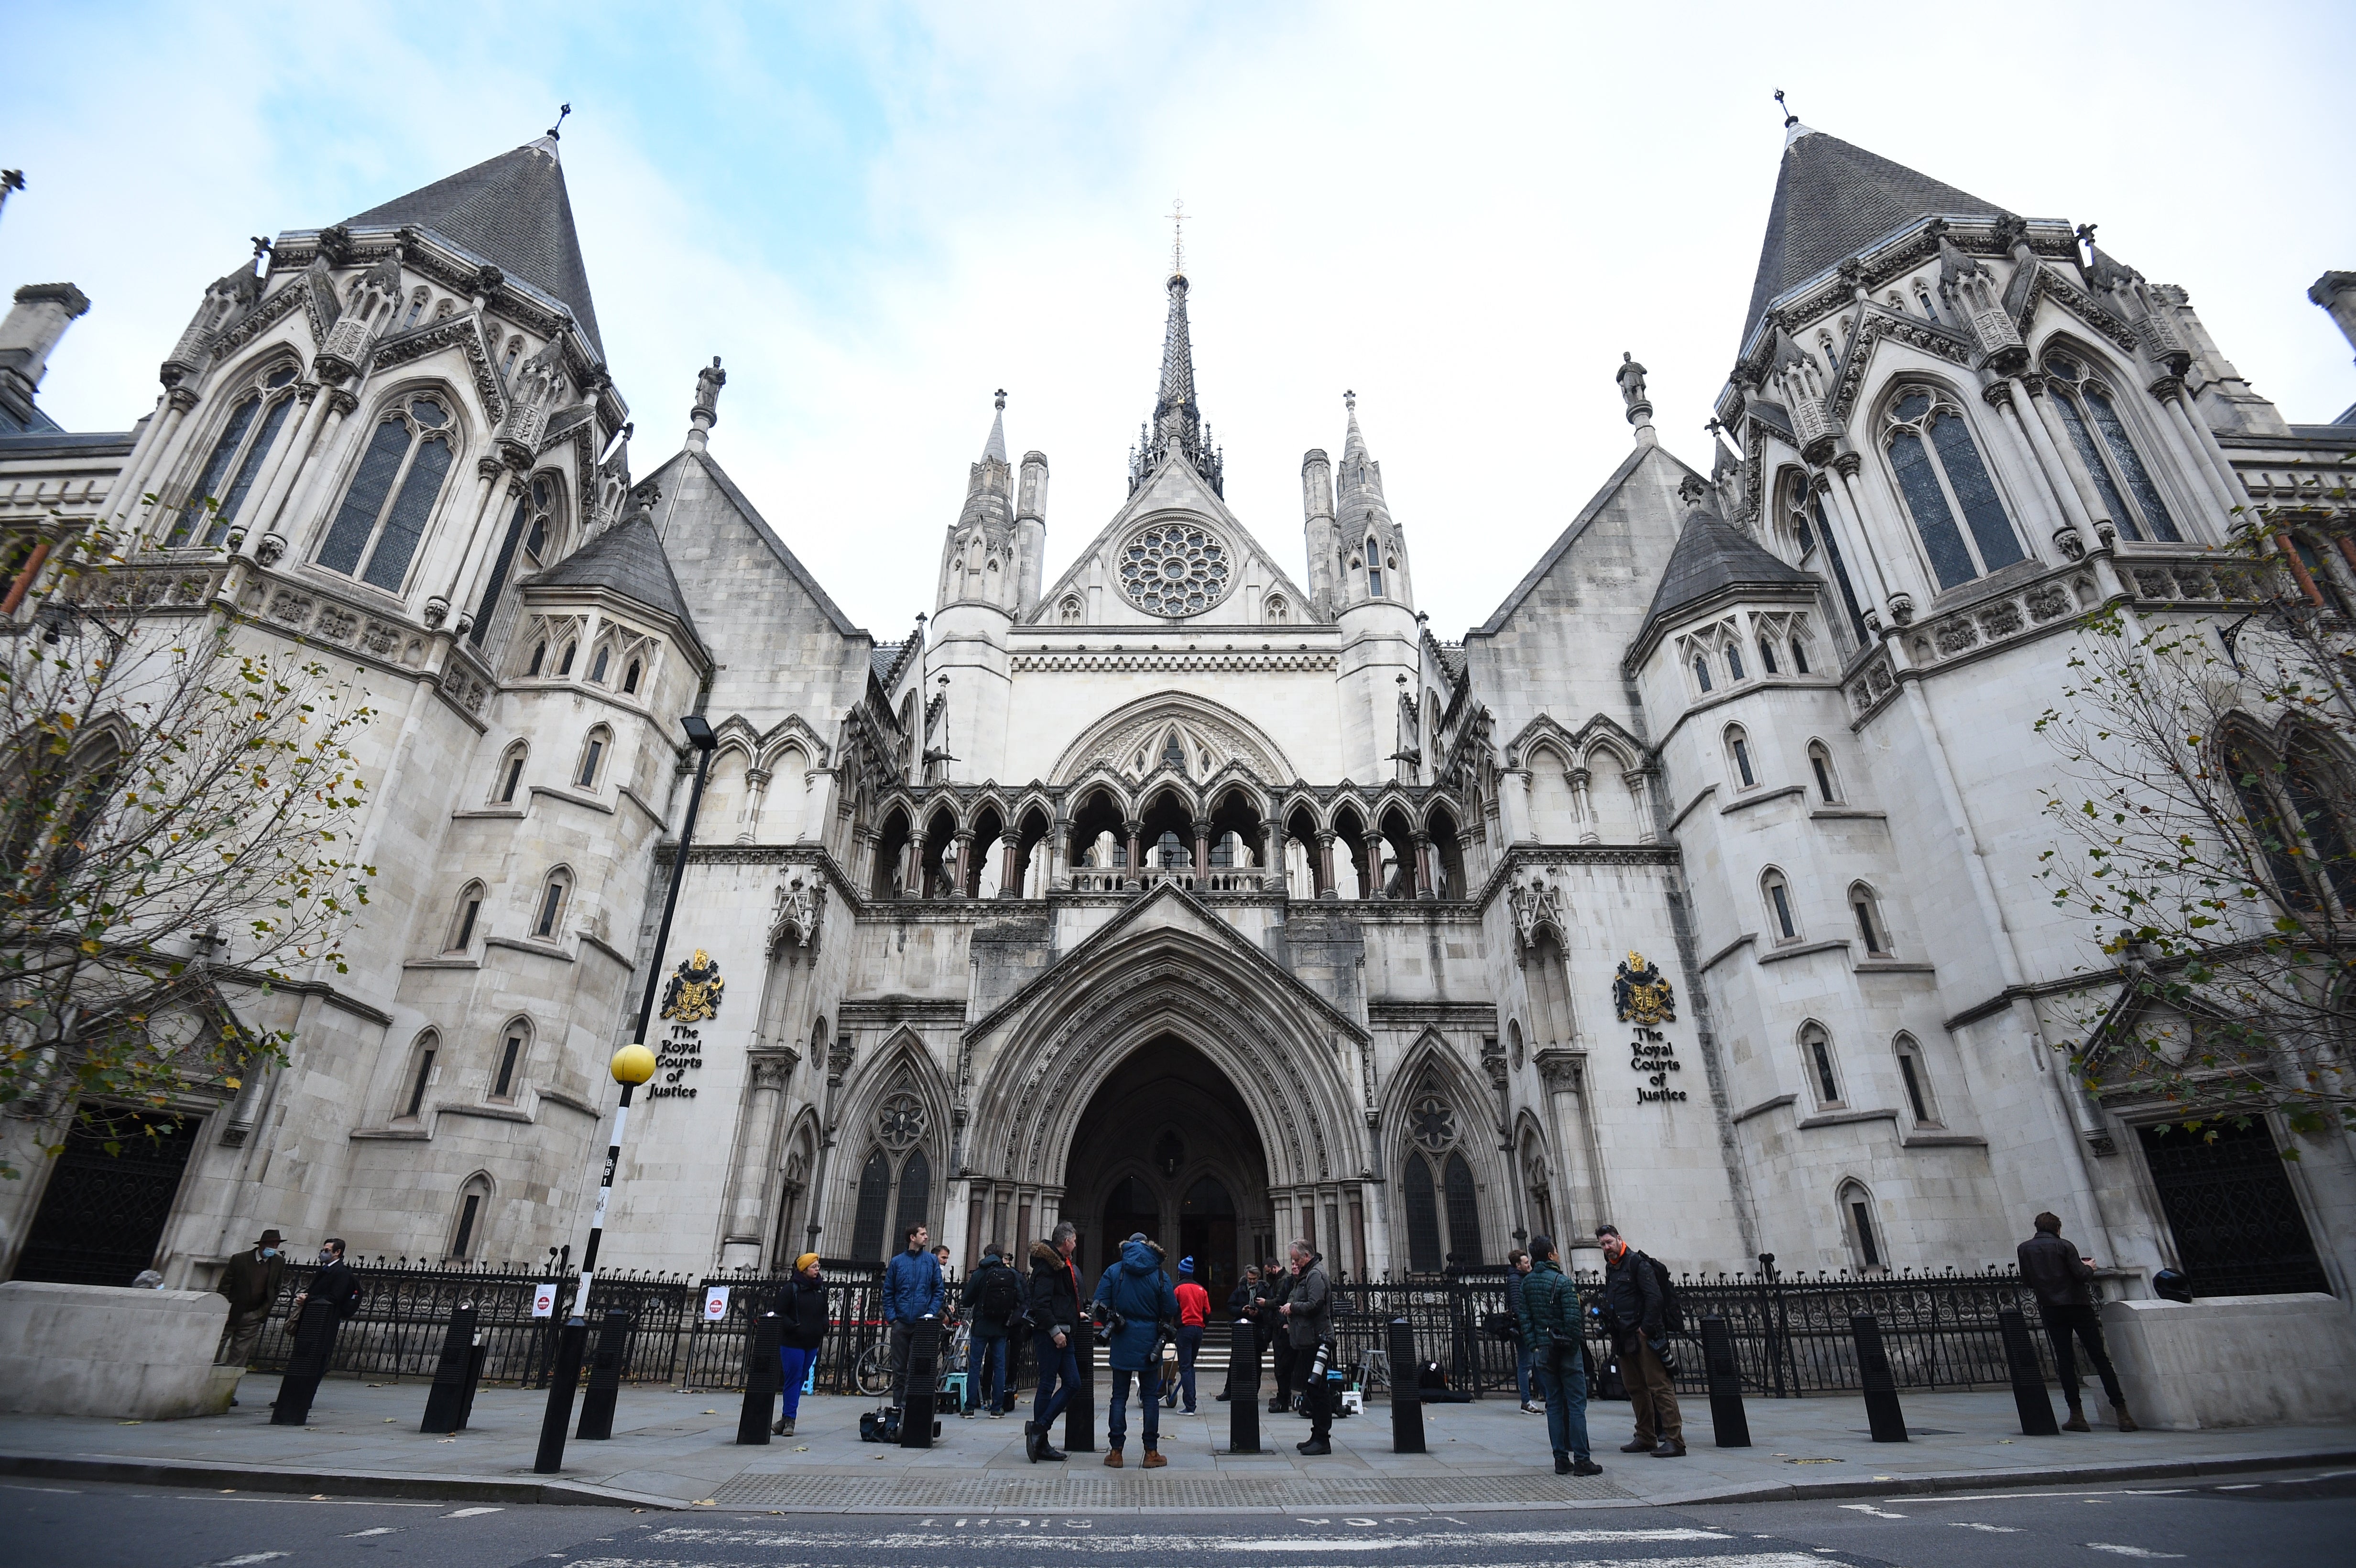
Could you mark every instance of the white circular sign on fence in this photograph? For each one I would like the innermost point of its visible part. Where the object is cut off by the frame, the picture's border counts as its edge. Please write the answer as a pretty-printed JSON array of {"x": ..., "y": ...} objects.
[
  {"x": 715, "y": 1303},
  {"x": 543, "y": 1301}
]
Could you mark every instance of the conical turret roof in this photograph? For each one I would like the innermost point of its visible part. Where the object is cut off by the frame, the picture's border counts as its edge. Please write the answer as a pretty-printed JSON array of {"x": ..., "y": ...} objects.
[
  {"x": 627, "y": 558},
  {"x": 513, "y": 212},
  {"x": 1710, "y": 558},
  {"x": 1833, "y": 199}
]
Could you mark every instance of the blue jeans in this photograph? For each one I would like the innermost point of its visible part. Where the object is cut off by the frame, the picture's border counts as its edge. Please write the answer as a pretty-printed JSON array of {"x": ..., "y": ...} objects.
[
  {"x": 1566, "y": 1401},
  {"x": 795, "y": 1363},
  {"x": 1117, "y": 1425},
  {"x": 985, "y": 1355},
  {"x": 1059, "y": 1377},
  {"x": 1190, "y": 1345},
  {"x": 1521, "y": 1369}
]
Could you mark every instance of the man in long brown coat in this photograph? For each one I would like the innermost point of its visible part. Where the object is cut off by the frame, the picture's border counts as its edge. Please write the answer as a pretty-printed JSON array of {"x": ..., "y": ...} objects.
[{"x": 250, "y": 1279}]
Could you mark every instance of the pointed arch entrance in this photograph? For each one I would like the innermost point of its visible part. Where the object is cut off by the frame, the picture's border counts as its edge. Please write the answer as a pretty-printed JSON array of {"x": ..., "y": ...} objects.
[{"x": 1167, "y": 1147}]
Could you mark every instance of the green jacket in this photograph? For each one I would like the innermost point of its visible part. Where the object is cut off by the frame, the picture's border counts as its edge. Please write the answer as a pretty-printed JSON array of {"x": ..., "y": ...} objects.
[{"x": 1549, "y": 1301}]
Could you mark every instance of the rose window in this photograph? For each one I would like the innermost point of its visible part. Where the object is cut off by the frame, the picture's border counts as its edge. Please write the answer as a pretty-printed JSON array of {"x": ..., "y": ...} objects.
[
  {"x": 900, "y": 1120},
  {"x": 1175, "y": 569}
]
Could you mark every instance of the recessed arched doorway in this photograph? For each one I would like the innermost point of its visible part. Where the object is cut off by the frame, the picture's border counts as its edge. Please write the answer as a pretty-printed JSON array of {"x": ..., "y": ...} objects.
[{"x": 1168, "y": 1148}]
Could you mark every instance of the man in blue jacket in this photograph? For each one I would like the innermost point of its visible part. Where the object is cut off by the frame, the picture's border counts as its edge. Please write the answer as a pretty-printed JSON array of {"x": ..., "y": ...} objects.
[
  {"x": 1139, "y": 1292},
  {"x": 912, "y": 1291}
]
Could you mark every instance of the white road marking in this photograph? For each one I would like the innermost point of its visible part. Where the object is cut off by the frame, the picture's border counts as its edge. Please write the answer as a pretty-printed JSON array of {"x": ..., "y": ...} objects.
[
  {"x": 699, "y": 1535},
  {"x": 469, "y": 1512},
  {"x": 1749, "y": 1559},
  {"x": 1990, "y": 1529},
  {"x": 249, "y": 1558},
  {"x": 379, "y": 1530},
  {"x": 68, "y": 1491},
  {"x": 2049, "y": 1497},
  {"x": 2243, "y": 1486},
  {"x": 2127, "y": 1550},
  {"x": 1869, "y": 1509}
]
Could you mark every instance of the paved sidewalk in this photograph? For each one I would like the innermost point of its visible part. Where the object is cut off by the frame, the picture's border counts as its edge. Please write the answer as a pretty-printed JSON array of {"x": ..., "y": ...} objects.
[{"x": 676, "y": 1450}]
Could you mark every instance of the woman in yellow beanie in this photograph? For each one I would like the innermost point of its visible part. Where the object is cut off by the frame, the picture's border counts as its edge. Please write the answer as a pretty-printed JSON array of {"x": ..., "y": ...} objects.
[{"x": 802, "y": 1323}]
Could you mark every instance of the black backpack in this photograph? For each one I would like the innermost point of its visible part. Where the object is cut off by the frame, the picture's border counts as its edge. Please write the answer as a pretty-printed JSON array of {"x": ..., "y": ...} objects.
[
  {"x": 1672, "y": 1313},
  {"x": 1001, "y": 1295}
]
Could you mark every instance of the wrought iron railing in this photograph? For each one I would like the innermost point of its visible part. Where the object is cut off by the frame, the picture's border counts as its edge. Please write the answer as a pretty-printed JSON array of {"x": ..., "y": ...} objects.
[{"x": 1791, "y": 1335}]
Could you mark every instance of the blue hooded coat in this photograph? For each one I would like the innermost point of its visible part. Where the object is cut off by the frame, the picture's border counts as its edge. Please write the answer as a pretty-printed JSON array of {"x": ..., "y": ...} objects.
[{"x": 1137, "y": 1290}]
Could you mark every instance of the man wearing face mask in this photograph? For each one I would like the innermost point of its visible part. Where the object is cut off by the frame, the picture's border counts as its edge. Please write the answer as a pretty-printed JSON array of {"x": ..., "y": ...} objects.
[{"x": 250, "y": 1280}]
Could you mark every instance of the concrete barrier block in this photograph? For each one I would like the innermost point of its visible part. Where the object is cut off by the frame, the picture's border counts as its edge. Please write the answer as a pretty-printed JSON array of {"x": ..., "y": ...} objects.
[
  {"x": 95, "y": 1350},
  {"x": 2234, "y": 1361}
]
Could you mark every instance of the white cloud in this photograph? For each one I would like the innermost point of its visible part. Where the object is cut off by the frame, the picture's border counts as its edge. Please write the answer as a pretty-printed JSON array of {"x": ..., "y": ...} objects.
[{"x": 1465, "y": 215}]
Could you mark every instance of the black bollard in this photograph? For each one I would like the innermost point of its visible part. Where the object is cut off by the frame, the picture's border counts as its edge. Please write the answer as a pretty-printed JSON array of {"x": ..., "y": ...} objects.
[
  {"x": 475, "y": 1357},
  {"x": 444, "y": 1405},
  {"x": 314, "y": 1344},
  {"x": 1407, "y": 1392},
  {"x": 2028, "y": 1395},
  {"x": 564, "y": 1382},
  {"x": 604, "y": 1378},
  {"x": 917, "y": 1427},
  {"x": 1724, "y": 1376},
  {"x": 1882, "y": 1412},
  {"x": 1080, "y": 1412},
  {"x": 762, "y": 1374},
  {"x": 1243, "y": 1387}
]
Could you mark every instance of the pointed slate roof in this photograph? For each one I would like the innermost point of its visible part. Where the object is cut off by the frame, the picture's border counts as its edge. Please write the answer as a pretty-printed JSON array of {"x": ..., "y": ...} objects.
[
  {"x": 1832, "y": 200},
  {"x": 512, "y": 211},
  {"x": 627, "y": 558},
  {"x": 669, "y": 480},
  {"x": 1710, "y": 558}
]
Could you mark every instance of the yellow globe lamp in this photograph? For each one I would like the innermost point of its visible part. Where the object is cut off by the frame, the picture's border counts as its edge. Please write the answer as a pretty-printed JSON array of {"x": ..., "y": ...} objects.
[{"x": 633, "y": 1064}]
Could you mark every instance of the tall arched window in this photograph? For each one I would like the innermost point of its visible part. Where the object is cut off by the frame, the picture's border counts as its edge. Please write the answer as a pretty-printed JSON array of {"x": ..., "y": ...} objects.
[
  {"x": 1783, "y": 918},
  {"x": 915, "y": 1192},
  {"x": 509, "y": 779},
  {"x": 597, "y": 666},
  {"x": 1275, "y": 611},
  {"x": 2320, "y": 797},
  {"x": 1916, "y": 1075},
  {"x": 421, "y": 1075},
  {"x": 1737, "y": 758},
  {"x": 1734, "y": 660},
  {"x": 1767, "y": 656},
  {"x": 1943, "y": 479},
  {"x": 2248, "y": 769},
  {"x": 1424, "y": 1253},
  {"x": 238, "y": 454},
  {"x": 593, "y": 757},
  {"x": 1701, "y": 670},
  {"x": 1374, "y": 568},
  {"x": 1870, "y": 927},
  {"x": 1857, "y": 1222},
  {"x": 530, "y": 526},
  {"x": 391, "y": 496},
  {"x": 470, "y": 1222},
  {"x": 1816, "y": 1061},
  {"x": 1067, "y": 611},
  {"x": 1464, "y": 1212},
  {"x": 2083, "y": 400},
  {"x": 1804, "y": 513},
  {"x": 547, "y": 918},
  {"x": 874, "y": 1208},
  {"x": 1820, "y": 764},
  {"x": 507, "y": 1065},
  {"x": 465, "y": 918},
  {"x": 630, "y": 678}
]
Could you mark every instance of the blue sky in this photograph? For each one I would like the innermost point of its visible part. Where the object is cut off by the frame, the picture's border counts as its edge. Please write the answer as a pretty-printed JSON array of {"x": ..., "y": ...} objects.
[{"x": 878, "y": 214}]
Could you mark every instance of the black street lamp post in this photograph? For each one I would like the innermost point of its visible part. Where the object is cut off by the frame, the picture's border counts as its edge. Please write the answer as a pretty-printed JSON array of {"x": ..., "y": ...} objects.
[{"x": 633, "y": 1065}]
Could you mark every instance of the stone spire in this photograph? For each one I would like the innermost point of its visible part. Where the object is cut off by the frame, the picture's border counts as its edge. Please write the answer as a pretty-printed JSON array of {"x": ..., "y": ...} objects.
[
  {"x": 1177, "y": 423},
  {"x": 995, "y": 447},
  {"x": 1374, "y": 548}
]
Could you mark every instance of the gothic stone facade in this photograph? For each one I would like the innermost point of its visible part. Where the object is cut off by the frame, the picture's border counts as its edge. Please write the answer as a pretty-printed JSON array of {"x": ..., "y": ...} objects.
[{"x": 1201, "y": 889}]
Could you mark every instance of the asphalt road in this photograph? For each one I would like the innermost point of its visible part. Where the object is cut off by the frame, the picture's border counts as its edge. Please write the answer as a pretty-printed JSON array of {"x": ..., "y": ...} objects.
[{"x": 2288, "y": 1521}]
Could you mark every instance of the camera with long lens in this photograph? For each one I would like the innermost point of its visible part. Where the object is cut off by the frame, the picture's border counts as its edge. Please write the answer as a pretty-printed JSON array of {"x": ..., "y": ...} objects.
[{"x": 1108, "y": 1322}]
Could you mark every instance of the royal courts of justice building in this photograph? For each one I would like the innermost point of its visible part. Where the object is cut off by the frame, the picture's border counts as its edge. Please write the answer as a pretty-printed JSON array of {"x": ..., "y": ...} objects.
[{"x": 1198, "y": 886}]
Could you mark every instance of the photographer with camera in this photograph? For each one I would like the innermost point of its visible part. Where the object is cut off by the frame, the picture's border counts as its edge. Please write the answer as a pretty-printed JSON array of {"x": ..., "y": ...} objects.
[
  {"x": 1548, "y": 1305},
  {"x": 1308, "y": 1309},
  {"x": 1277, "y": 1290},
  {"x": 1636, "y": 1299},
  {"x": 1136, "y": 1309}
]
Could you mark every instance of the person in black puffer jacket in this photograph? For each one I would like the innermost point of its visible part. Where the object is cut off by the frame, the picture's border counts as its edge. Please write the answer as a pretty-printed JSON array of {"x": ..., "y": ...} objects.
[
  {"x": 803, "y": 1319},
  {"x": 1054, "y": 1305}
]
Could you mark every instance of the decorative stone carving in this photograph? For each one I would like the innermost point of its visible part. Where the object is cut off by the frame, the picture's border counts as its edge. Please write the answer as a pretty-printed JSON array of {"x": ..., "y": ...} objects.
[
  {"x": 437, "y": 610},
  {"x": 1537, "y": 909},
  {"x": 794, "y": 909},
  {"x": 1901, "y": 608},
  {"x": 1175, "y": 569},
  {"x": 2070, "y": 542}
]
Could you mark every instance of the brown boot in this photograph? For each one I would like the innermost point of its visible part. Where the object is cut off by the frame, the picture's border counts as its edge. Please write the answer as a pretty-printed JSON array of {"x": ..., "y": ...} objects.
[
  {"x": 1154, "y": 1460},
  {"x": 2127, "y": 1422},
  {"x": 1112, "y": 1459},
  {"x": 2077, "y": 1422}
]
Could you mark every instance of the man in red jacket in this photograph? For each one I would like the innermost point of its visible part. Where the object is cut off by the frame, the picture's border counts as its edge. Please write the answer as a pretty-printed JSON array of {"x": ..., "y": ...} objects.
[{"x": 1193, "y": 1311}]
